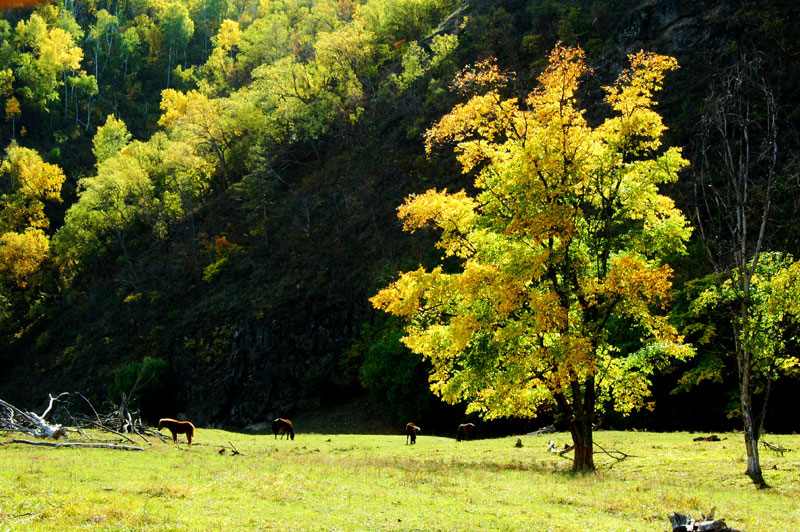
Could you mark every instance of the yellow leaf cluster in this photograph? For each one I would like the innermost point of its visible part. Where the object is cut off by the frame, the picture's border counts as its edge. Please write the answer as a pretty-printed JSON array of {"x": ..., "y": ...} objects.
[
  {"x": 404, "y": 297},
  {"x": 36, "y": 179},
  {"x": 484, "y": 74},
  {"x": 13, "y": 109},
  {"x": 485, "y": 117},
  {"x": 21, "y": 255},
  {"x": 57, "y": 47},
  {"x": 452, "y": 213},
  {"x": 634, "y": 280},
  {"x": 558, "y": 83}
]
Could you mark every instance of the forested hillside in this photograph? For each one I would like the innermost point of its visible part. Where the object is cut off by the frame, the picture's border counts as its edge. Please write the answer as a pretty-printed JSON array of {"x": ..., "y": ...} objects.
[{"x": 199, "y": 197}]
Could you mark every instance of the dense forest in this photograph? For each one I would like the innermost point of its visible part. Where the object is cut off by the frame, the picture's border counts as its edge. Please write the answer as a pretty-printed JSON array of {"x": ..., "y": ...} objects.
[{"x": 199, "y": 197}]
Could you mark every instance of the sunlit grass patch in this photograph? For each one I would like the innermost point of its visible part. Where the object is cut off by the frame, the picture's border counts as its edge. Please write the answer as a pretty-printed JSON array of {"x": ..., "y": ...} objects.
[{"x": 364, "y": 482}]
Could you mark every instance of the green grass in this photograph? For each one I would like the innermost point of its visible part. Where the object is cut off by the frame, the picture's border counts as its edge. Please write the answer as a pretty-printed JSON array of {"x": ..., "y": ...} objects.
[{"x": 321, "y": 482}]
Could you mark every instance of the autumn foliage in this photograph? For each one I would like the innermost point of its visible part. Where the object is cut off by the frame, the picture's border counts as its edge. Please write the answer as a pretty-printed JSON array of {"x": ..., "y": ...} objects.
[{"x": 562, "y": 250}]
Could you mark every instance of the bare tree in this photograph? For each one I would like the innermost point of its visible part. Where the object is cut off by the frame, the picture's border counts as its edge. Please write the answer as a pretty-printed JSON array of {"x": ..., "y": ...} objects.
[{"x": 736, "y": 168}]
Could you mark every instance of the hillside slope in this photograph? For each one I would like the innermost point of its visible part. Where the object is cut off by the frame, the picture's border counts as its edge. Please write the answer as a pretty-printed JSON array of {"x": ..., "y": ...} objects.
[{"x": 271, "y": 331}]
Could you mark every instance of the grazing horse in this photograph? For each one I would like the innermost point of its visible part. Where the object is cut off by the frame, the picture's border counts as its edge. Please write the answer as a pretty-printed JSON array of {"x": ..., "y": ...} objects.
[
  {"x": 411, "y": 433},
  {"x": 284, "y": 426},
  {"x": 465, "y": 431},
  {"x": 177, "y": 427}
]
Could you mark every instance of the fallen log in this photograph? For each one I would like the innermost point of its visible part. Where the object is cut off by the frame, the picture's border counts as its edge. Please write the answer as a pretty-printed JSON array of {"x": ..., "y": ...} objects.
[
  {"x": 712, "y": 437},
  {"x": 60, "y": 444}
]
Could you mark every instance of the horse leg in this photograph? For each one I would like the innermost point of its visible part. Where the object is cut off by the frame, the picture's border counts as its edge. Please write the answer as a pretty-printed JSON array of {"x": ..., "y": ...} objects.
[
  {"x": 174, "y": 436},
  {"x": 189, "y": 437}
]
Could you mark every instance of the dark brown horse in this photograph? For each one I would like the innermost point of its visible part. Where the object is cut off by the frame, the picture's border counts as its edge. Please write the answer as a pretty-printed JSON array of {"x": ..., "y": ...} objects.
[
  {"x": 177, "y": 427},
  {"x": 284, "y": 426},
  {"x": 411, "y": 433},
  {"x": 465, "y": 431}
]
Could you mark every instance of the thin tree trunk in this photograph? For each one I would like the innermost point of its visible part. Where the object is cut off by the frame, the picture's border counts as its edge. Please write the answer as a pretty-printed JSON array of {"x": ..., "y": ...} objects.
[
  {"x": 266, "y": 228},
  {"x": 64, "y": 77},
  {"x": 751, "y": 439},
  {"x": 169, "y": 65},
  {"x": 751, "y": 428}
]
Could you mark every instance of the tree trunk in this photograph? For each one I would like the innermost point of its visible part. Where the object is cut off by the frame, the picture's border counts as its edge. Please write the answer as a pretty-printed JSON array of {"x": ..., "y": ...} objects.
[
  {"x": 580, "y": 413},
  {"x": 169, "y": 64},
  {"x": 64, "y": 78},
  {"x": 753, "y": 461},
  {"x": 751, "y": 428},
  {"x": 582, "y": 439}
]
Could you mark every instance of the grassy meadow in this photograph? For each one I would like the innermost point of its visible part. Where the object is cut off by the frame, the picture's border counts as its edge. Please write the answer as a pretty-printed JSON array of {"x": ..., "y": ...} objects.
[{"x": 330, "y": 482}]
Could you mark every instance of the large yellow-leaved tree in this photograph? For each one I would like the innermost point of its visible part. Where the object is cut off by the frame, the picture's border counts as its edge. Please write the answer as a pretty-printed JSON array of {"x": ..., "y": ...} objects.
[{"x": 561, "y": 252}]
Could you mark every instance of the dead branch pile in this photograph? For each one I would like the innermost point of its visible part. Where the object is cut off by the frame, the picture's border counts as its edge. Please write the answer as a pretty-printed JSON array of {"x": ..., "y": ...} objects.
[
  {"x": 13, "y": 419},
  {"x": 549, "y": 429},
  {"x": 685, "y": 523},
  {"x": 120, "y": 422}
]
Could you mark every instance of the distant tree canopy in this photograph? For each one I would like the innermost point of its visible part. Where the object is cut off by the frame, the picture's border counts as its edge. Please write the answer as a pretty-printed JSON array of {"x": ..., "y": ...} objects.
[
  {"x": 28, "y": 184},
  {"x": 561, "y": 251}
]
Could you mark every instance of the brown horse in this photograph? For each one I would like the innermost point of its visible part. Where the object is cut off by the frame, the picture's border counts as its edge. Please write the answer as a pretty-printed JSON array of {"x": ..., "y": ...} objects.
[
  {"x": 411, "y": 433},
  {"x": 177, "y": 427},
  {"x": 284, "y": 426},
  {"x": 465, "y": 431}
]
